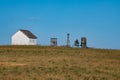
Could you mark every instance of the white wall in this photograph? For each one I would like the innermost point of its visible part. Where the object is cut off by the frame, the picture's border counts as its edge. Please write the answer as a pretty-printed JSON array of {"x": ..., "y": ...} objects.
[
  {"x": 21, "y": 39},
  {"x": 32, "y": 42}
]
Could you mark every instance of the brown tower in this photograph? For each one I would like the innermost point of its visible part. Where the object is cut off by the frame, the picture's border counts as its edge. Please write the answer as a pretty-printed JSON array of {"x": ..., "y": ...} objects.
[{"x": 83, "y": 42}]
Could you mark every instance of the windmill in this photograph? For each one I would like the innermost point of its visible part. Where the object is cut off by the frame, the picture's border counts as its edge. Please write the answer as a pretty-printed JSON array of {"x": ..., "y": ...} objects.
[{"x": 68, "y": 40}]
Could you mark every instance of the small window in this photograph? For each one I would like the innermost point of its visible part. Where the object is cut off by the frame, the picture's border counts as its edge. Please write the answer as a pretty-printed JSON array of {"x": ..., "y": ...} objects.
[{"x": 32, "y": 41}]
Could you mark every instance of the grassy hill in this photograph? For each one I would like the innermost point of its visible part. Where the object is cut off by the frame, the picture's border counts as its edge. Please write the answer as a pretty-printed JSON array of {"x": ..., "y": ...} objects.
[{"x": 58, "y": 63}]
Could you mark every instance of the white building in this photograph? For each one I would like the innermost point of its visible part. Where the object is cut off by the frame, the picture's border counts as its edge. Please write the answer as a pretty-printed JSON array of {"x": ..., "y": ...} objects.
[{"x": 24, "y": 37}]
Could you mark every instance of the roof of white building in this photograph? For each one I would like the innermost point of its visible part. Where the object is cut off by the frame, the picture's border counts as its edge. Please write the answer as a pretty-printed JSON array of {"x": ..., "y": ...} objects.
[{"x": 28, "y": 34}]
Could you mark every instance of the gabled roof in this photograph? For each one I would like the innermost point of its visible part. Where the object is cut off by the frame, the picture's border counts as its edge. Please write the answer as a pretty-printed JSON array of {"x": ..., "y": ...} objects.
[{"x": 28, "y": 34}]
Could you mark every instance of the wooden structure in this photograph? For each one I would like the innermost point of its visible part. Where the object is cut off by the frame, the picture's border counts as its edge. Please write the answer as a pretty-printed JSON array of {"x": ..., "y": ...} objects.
[
  {"x": 53, "y": 41},
  {"x": 83, "y": 42}
]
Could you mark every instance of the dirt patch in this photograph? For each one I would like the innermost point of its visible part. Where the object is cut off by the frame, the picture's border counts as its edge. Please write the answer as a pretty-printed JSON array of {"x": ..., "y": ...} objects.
[{"x": 12, "y": 64}]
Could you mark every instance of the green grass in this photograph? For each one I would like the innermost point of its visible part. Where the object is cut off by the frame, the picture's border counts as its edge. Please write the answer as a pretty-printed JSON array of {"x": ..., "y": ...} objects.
[{"x": 58, "y": 63}]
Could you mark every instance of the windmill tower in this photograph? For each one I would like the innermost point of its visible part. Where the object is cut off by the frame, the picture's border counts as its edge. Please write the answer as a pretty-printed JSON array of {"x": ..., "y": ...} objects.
[{"x": 68, "y": 40}]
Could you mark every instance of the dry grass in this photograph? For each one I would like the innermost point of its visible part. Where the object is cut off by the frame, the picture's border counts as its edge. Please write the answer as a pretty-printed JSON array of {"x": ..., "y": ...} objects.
[{"x": 58, "y": 63}]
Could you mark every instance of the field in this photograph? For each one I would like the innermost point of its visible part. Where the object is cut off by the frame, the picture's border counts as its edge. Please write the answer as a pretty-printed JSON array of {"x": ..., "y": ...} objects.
[{"x": 58, "y": 63}]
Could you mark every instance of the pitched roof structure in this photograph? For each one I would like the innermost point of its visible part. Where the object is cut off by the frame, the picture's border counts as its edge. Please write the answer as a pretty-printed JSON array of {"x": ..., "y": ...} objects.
[{"x": 28, "y": 34}]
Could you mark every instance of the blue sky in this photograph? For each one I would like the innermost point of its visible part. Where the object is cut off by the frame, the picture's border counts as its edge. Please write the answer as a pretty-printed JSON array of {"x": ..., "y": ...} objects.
[{"x": 98, "y": 20}]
